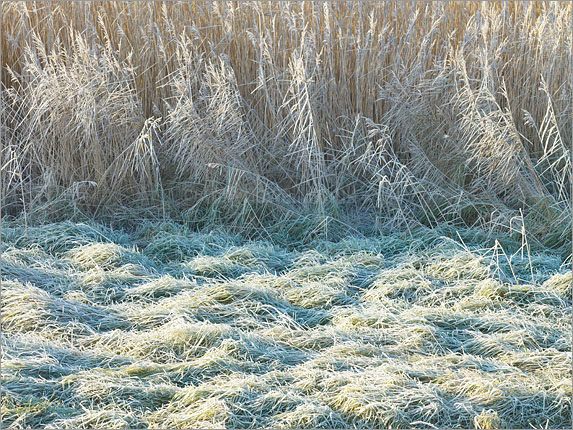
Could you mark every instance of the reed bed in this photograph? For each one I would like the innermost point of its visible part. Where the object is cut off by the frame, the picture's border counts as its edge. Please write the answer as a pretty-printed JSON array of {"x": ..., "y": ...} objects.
[
  {"x": 294, "y": 114},
  {"x": 305, "y": 214}
]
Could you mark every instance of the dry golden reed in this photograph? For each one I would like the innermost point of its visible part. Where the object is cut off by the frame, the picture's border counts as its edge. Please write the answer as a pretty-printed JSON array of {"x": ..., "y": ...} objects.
[{"x": 257, "y": 111}]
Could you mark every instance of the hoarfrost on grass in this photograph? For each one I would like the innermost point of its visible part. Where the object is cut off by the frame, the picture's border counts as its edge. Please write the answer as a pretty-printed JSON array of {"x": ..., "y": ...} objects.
[{"x": 204, "y": 331}]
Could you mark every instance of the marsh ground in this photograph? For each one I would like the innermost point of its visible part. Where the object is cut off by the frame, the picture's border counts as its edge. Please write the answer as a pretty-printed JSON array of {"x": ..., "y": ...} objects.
[{"x": 164, "y": 327}]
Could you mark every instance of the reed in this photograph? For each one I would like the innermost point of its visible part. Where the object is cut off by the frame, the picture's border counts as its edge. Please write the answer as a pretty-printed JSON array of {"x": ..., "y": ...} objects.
[{"x": 253, "y": 113}]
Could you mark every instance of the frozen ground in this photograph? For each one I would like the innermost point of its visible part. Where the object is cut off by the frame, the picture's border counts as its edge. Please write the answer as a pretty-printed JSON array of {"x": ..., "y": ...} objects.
[{"x": 168, "y": 328}]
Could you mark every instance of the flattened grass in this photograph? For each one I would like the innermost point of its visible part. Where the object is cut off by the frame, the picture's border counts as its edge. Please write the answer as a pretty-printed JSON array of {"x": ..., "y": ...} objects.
[{"x": 174, "y": 329}]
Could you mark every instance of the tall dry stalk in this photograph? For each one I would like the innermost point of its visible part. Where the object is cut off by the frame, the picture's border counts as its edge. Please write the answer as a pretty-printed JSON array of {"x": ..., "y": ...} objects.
[{"x": 404, "y": 111}]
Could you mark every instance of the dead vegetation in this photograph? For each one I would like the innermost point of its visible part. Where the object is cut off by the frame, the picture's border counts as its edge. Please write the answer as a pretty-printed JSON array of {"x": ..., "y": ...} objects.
[
  {"x": 232, "y": 333},
  {"x": 298, "y": 115}
]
